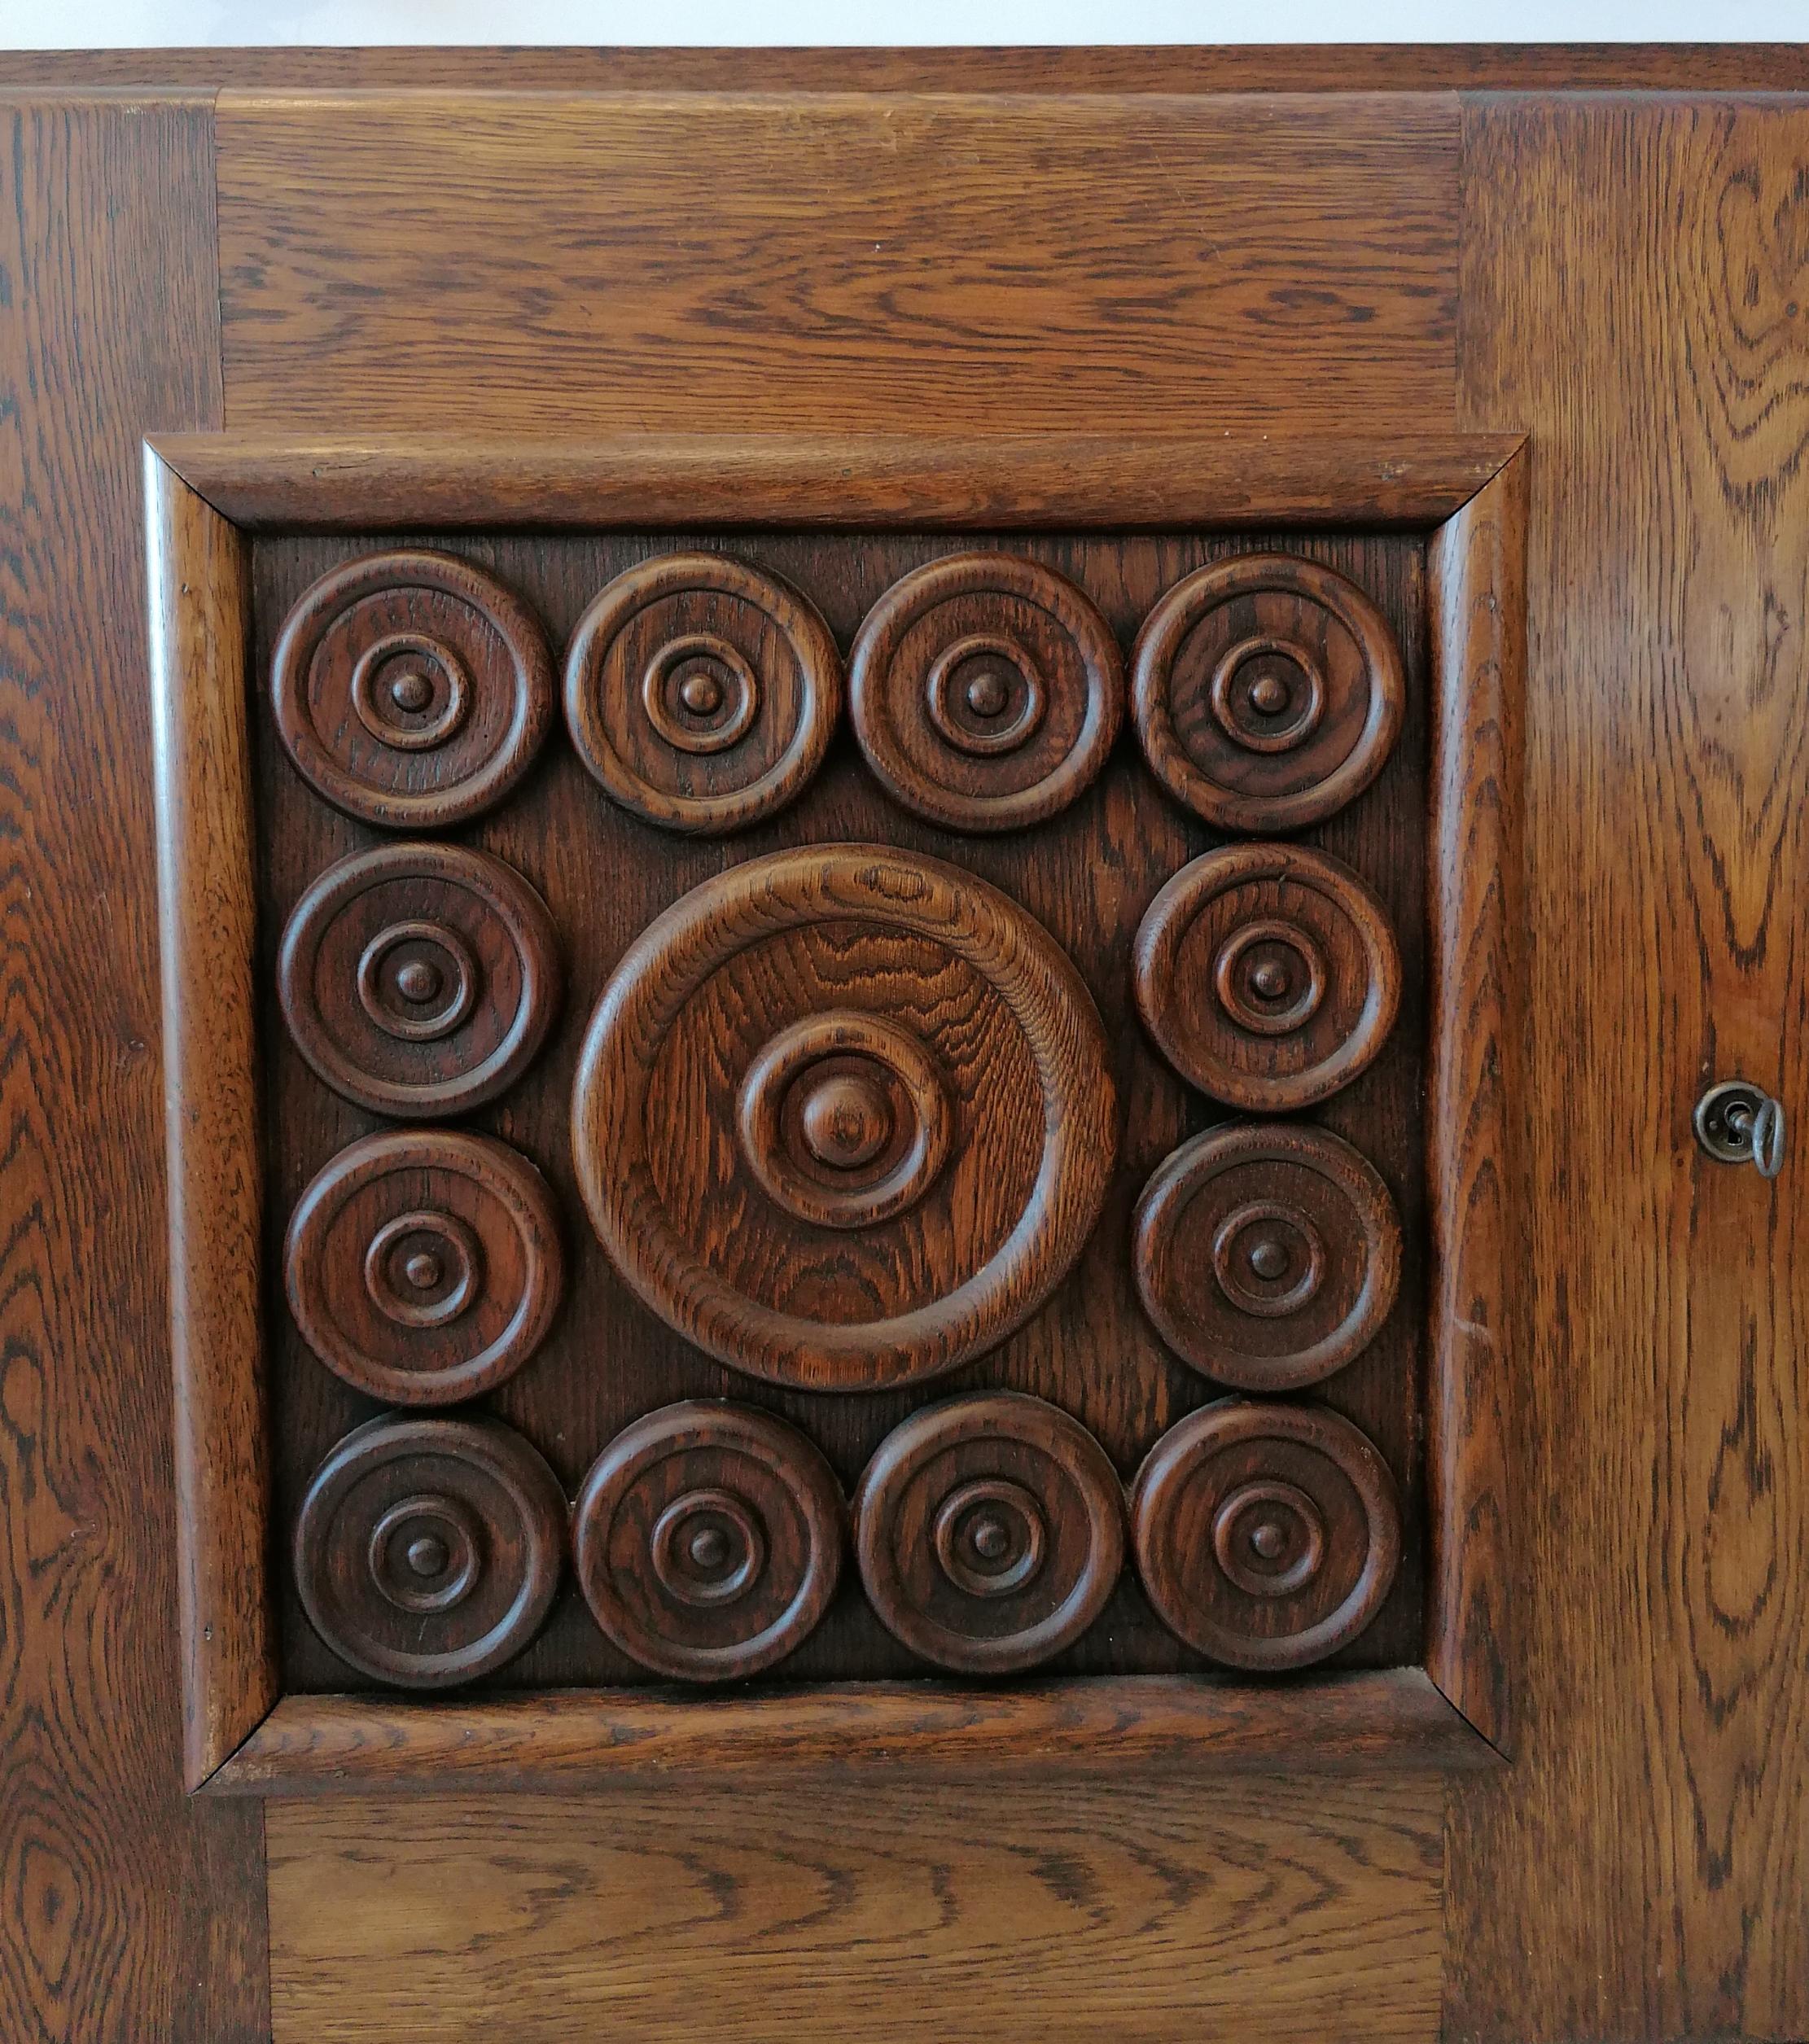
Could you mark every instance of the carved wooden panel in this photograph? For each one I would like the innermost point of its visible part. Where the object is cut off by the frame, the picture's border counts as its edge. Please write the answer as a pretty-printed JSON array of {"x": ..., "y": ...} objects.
[{"x": 892, "y": 1112}]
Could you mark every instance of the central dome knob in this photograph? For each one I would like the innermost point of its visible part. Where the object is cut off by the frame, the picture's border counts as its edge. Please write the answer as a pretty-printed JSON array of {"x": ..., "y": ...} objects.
[
  {"x": 701, "y": 693},
  {"x": 1269, "y": 695},
  {"x": 1267, "y": 1539},
  {"x": 427, "y": 1556},
  {"x": 846, "y": 1121},
  {"x": 991, "y": 1539},
  {"x": 987, "y": 693},
  {"x": 1270, "y": 979},
  {"x": 1268, "y": 1257},
  {"x": 423, "y": 1270},
  {"x": 710, "y": 1547},
  {"x": 417, "y": 980},
  {"x": 411, "y": 690}
]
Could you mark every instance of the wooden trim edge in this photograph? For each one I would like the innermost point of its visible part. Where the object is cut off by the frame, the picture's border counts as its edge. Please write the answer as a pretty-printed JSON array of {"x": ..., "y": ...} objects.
[
  {"x": 199, "y": 613},
  {"x": 1376, "y": 1721},
  {"x": 1478, "y": 589},
  {"x": 1010, "y": 482}
]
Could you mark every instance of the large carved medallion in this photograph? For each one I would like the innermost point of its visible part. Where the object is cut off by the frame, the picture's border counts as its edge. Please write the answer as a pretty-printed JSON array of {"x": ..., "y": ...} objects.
[{"x": 844, "y": 1116}]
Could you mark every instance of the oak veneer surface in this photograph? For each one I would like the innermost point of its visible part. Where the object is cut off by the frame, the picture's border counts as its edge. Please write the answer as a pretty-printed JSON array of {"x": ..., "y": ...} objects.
[
  {"x": 1644, "y": 1871},
  {"x": 872, "y": 263},
  {"x": 1277, "y": 1910},
  {"x": 124, "y": 1916}
]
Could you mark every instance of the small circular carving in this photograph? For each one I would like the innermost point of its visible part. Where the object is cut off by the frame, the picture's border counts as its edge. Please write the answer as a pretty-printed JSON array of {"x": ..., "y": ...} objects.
[
  {"x": 1267, "y": 1536},
  {"x": 709, "y": 1540},
  {"x": 412, "y": 689},
  {"x": 845, "y": 1119},
  {"x": 989, "y": 1531},
  {"x": 419, "y": 979},
  {"x": 986, "y": 690},
  {"x": 1268, "y": 975},
  {"x": 424, "y": 1266},
  {"x": 732, "y": 1095},
  {"x": 427, "y": 1551},
  {"x": 702, "y": 693},
  {"x": 1267, "y": 692},
  {"x": 1267, "y": 1257}
]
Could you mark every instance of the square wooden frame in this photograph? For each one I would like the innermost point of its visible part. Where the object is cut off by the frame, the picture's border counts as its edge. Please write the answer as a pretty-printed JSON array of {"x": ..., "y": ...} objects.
[{"x": 206, "y": 494}]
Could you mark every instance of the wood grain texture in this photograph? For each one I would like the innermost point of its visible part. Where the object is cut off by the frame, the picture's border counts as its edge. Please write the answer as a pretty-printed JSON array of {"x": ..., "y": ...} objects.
[
  {"x": 1332, "y": 68},
  {"x": 1476, "y": 565},
  {"x": 1261, "y": 257},
  {"x": 199, "y": 624},
  {"x": 1270, "y": 1909},
  {"x": 1415, "y": 475},
  {"x": 107, "y": 329},
  {"x": 1367, "y": 1722},
  {"x": 1643, "y": 1871}
]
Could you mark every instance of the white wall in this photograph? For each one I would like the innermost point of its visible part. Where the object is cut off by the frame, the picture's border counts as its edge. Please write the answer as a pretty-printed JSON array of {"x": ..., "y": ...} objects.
[{"x": 75, "y": 25}]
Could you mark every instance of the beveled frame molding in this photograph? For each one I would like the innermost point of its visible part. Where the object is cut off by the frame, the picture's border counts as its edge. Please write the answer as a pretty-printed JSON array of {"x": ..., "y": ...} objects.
[{"x": 205, "y": 494}]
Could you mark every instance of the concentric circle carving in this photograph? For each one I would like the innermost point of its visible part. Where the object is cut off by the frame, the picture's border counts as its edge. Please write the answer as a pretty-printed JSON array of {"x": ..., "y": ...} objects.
[
  {"x": 702, "y": 693},
  {"x": 427, "y": 1551},
  {"x": 424, "y": 1266},
  {"x": 990, "y": 1531},
  {"x": 818, "y": 1193},
  {"x": 419, "y": 979},
  {"x": 1268, "y": 975},
  {"x": 1267, "y": 692},
  {"x": 411, "y": 688},
  {"x": 709, "y": 1540},
  {"x": 845, "y": 1119},
  {"x": 986, "y": 691},
  {"x": 1267, "y": 1536},
  {"x": 1268, "y": 1256}
]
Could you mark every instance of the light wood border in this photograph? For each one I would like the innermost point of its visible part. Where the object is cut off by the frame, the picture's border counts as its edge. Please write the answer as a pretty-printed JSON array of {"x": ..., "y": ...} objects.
[{"x": 204, "y": 494}]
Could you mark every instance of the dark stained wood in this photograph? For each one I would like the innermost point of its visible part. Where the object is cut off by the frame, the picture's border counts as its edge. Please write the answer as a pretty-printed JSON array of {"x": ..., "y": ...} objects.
[
  {"x": 1269, "y": 975},
  {"x": 709, "y": 1540},
  {"x": 1266, "y": 693},
  {"x": 1266, "y": 1535},
  {"x": 878, "y": 1044},
  {"x": 1086, "y": 875},
  {"x": 990, "y": 1532},
  {"x": 1477, "y": 569},
  {"x": 1644, "y": 1870},
  {"x": 1266, "y": 1256},
  {"x": 1270, "y": 1910},
  {"x": 1367, "y": 1722},
  {"x": 126, "y": 1915},
  {"x": 199, "y": 627},
  {"x": 700, "y": 694},
  {"x": 412, "y": 689},
  {"x": 425, "y": 1266},
  {"x": 1168, "y": 69},
  {"x": 1130, "y": 479},
  {"x": 1262, "y": 259},
  {"x": 986, "y": 691},
  {"x": 420, "y": 979},
  {"x": 427, "y": 1551}
]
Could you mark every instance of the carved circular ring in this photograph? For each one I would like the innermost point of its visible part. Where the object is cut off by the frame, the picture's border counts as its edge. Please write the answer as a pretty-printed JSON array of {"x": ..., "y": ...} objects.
[
  {"x": 989, "y": 1531},
  {"x": 709, "y": 1540},
  {"x": 986, "y": 691},
  {"x": 1267, "y": 1536},
  {"x": 427, "y": 1551},
  {"x": 419, "y": 979},
  {"x": 845, "y": 1119},
  {"x": 735, "y": 1098},
  {"x": 1268, "y": 975},
  {"x": 1267, "y": 692},
  {"x": 1268, "y": 1256},
  {"x": 701, "y": 693},
  {"x": 424, "y": 1266},
  {"x": 412, "y": 689}
]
